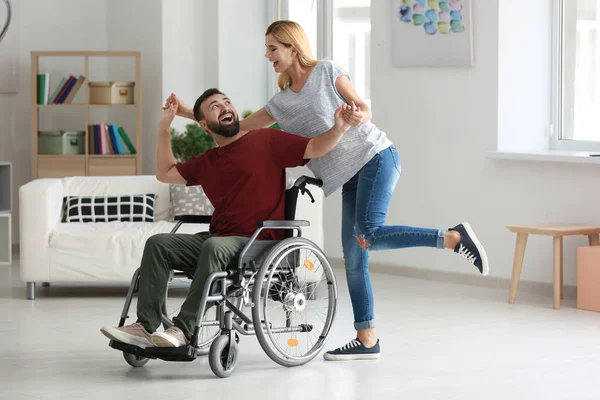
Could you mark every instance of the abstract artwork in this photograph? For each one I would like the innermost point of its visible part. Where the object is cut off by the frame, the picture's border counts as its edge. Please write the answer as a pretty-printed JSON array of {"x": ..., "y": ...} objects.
[
  {"x": 432, "y": 33},
  {"x": 8, "y": 48}
]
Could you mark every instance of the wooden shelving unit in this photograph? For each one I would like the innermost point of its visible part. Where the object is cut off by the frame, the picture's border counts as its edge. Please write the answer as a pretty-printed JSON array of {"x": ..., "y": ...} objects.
[
  {"x": 5, "y": 212},
  {"x": 59, "y": 166}
]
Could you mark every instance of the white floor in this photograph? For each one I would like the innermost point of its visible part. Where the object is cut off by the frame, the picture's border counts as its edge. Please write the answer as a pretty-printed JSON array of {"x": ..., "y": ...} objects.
[{"x": 439, "y": 341}]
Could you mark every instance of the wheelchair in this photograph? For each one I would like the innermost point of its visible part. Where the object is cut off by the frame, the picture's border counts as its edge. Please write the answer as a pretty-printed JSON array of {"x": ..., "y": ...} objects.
[{"x": 288, "y": 285}]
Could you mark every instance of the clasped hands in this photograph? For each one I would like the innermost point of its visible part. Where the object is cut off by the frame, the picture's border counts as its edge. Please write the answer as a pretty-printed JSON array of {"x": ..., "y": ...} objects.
[{"x": 352, "y": 114}]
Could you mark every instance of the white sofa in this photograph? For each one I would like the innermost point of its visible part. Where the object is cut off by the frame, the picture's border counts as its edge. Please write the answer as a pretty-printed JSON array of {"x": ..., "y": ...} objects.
[{"x": 55, "y": 251}]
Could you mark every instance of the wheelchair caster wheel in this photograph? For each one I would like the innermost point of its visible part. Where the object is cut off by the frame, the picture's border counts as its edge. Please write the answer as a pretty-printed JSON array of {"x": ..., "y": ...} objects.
[
  {"x": 222, "y": 357},
  {"x": 135, "y": 361}
]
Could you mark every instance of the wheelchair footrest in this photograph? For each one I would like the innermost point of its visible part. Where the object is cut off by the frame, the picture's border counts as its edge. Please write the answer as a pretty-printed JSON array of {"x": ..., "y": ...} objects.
[{"x": 183, "y": 353}]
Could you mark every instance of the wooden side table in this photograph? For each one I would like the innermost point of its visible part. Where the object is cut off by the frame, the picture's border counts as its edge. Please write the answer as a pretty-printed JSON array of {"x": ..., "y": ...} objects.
[{"x": 557, "y": 231}]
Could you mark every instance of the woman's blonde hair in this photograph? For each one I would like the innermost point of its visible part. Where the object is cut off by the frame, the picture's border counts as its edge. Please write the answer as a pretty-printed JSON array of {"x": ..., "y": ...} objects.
[{"x": 291, "y": 34}]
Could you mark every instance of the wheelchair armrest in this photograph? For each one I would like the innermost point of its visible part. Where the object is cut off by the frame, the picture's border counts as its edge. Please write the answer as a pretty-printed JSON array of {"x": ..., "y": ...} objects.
[
  {"x": 282, "y": 224},
  {"x": 194, "y": 219}
]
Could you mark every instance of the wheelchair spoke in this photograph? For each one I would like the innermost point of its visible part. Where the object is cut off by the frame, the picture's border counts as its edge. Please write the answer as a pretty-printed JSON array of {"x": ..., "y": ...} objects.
[{"x": 295, "y": 281}]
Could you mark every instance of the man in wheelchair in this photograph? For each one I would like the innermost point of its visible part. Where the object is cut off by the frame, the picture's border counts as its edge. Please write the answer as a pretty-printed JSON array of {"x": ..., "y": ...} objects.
[{"x": 245, "y": 180}]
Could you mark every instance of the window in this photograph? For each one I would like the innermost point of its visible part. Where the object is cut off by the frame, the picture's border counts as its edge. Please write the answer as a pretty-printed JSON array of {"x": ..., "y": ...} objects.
[
  {"x": 339, "y": 30},
  {"x": 577, "y": 75},
  {"x": 352, "y": 42},
  {"x": 304, "y": 12}
]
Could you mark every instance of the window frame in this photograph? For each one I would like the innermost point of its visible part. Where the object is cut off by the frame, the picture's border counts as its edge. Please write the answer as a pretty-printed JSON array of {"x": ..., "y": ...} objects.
[{"x": 557, "y": 114}]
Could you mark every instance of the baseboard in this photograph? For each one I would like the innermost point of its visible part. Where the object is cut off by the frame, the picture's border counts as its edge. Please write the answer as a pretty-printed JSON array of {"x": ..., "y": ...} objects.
[{"x": 569, "y": 291}]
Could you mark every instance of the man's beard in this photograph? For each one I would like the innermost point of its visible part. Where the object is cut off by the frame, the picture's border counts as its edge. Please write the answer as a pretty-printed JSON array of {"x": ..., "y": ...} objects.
[{"x": 224, "y": 130}]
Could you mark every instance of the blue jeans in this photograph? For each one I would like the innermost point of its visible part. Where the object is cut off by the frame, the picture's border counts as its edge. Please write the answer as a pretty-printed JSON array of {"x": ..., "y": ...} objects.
[{"x": 365, "y": 201}]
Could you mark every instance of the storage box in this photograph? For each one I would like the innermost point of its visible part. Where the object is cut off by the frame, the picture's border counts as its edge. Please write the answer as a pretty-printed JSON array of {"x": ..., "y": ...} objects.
[
  {"x": 111, "y": 92},
  {"x": 61, "y": 142},
  {"x": 588, "y": 278}
]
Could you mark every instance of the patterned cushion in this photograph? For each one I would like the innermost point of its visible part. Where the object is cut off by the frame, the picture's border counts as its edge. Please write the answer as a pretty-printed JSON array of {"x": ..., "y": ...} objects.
[
  {"x": 136, "y": 208},
  {"x": 189, "y": 200}
]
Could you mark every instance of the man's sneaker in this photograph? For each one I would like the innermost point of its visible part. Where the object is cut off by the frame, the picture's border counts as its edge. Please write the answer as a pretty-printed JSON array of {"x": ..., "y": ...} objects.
[
  {"x": 354, "y": 350},
  {"x": 171, "y": 337},
  {"x": 134, "y": 334},
  {"x": 470, "y": 248}
]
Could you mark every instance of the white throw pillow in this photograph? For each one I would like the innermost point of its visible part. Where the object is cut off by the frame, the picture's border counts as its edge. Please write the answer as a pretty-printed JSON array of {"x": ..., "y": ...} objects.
[{"x": 189, "y": 200}]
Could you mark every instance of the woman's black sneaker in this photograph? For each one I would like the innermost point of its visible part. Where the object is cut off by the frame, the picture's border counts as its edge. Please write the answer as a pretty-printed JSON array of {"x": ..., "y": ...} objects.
[
  {"x": 470, "y": 248},
  {"x": 354, "y": 350}
]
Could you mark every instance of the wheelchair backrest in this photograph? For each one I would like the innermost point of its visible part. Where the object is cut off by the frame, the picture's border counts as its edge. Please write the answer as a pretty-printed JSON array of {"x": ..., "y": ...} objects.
[{"x": 291, "y": 200}]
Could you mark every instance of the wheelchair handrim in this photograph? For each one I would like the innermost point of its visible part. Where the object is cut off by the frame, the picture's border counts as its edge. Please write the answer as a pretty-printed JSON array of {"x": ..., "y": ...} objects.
[{"x": 331, "y": 304}]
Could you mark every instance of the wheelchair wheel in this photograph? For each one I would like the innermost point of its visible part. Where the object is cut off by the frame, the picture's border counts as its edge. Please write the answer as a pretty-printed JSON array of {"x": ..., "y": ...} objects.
[
  {"x": 135, "y": 361},
  {"x": 222, "y": 361},
  {"x": 295, "y": 299}
]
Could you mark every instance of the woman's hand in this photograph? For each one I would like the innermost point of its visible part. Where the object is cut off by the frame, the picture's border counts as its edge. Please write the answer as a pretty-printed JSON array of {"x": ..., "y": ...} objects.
[
  {"x": 183, "y": 110},
  {"x": 353, "y": 114},
  {"x": 167, "y": 116}
]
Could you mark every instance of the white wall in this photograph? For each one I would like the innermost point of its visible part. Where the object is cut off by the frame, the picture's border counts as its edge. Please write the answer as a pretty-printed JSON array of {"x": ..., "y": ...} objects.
[
  {"x": 183, "y": 42},
  {"x": 524, "y": 75},
  {"x": 143, "y": 34},
  {"x": 215, "y": 44},
  {"x": 42, "y": 25},
  {"x": 242, "y": 66},
  {"x": 446, "y": 178},
  {"x": 90, "y": 25}
]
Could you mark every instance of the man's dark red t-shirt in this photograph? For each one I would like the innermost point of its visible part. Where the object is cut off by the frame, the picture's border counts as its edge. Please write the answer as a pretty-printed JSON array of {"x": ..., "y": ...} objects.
[{"x": 245, "y": 181}]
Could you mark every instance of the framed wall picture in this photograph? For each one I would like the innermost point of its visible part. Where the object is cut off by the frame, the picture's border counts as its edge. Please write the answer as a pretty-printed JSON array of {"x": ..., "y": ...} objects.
[{"x": 432, "y": 33}]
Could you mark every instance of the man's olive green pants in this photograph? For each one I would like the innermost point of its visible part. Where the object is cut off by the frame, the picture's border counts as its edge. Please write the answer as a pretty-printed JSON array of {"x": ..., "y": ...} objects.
[{"x": 200, "y": 254}]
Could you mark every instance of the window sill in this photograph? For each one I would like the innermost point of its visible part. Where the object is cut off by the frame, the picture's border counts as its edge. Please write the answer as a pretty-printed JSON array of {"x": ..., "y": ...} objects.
[{"x": 562, "y": 156}]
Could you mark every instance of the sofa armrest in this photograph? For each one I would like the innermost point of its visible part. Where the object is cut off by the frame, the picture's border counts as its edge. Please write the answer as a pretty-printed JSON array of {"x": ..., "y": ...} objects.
[{"x": 40, "y": 209}]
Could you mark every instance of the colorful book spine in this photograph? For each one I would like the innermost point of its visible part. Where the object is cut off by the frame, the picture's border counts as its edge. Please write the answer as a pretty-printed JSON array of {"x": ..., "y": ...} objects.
[
  {"x": 46, "y": 87},
  {"x": 57, "y": 90},
  {"x": 96, "y": 139},
  {"x": 126, "y": 140},
  {"x": 41, "y": 87},
  {"x": 63, "y": 90},
  {"x": 115, "y": 131},
  {"x": 70, "y": 85},
  {"x": 91, "y": 139},
  {"x": 73, "y": 91},
  {"x": 103, "y": 144},
  {"x": 109, "y": 144},
  {"x": 113, "y": 139}
]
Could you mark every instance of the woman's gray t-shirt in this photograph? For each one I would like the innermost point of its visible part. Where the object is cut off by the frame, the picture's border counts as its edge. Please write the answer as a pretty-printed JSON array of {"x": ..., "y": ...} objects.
[{"x": 309, "y": 113}]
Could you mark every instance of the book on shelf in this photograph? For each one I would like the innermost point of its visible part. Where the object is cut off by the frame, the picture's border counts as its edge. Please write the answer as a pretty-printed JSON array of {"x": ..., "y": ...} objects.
[
  {"x": 64, "y": 92},
  {"x": 43, "y": 87},
  {"x": 109, "y": 139}
]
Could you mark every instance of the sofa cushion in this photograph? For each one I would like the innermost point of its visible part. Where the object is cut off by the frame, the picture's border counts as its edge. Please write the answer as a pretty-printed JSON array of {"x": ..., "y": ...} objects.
[
  {"x": 121, "y": 185},
  {"x": 103, "y": 252},
  {"x": 135, "y": 208},
  {"x": 189, "y": 200}
]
